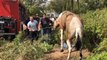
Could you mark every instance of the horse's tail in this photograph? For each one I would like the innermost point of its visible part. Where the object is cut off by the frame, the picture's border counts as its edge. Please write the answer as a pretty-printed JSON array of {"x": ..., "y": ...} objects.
[
  {"x": 79, "y": 41},
  {"x": 78, "y": 44}
]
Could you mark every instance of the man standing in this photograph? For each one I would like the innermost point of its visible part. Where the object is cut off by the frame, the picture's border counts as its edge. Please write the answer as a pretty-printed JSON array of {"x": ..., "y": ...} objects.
[
  {"x": 46, "y": 24},
  {"x": 37, "y": 18},
  {"x": 33, "y": 28}
]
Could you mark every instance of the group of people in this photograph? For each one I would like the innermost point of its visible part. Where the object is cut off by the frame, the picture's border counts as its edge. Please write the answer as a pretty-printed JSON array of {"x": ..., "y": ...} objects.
[{"x": 36, "y": 26}]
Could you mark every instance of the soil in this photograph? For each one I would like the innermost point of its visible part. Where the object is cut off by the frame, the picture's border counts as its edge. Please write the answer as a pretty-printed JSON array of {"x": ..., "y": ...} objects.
[{"x": 55, "y": 54}]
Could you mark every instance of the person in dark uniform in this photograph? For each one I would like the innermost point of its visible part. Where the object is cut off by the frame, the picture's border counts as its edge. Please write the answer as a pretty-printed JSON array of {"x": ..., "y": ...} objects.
[
  {"x": 46, "y": 24},
  {"x": 38, "y": 20},
  {"x": 25, "y": 27}
]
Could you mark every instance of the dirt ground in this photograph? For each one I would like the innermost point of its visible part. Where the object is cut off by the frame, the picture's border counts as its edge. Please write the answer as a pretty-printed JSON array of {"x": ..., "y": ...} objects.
[{"x": 55, "y": 54}]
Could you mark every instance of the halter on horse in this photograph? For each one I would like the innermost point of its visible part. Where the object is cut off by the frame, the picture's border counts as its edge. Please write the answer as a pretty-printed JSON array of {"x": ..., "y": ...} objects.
[{"x": 72, "y": 25}]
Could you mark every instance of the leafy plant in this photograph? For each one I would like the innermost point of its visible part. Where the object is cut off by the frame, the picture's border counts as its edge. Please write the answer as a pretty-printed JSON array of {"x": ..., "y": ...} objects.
[
  {"x": 96, "y": 33},
  {"x": 26, "y": 51}
]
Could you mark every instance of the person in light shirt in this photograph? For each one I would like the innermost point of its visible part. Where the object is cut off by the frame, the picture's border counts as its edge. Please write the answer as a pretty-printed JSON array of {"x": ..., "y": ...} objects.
[{"x": 33, "y": 28}]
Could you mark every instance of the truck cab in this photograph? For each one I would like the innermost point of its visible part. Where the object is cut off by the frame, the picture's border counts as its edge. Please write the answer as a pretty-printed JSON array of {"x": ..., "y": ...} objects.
[
  {"x": 11, "y": 14},
  {"x": 8, "y": 27}
]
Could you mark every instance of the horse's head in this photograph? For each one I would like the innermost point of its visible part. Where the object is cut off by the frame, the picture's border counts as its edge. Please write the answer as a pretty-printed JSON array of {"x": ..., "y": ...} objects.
[{"x": 56, "y": 23}]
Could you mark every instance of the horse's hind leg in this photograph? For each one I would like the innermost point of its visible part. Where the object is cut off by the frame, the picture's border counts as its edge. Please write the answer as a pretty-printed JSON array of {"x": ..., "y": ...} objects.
[
  {"x": 81, "y": 54},
  {"x": 69, "y": 48}
]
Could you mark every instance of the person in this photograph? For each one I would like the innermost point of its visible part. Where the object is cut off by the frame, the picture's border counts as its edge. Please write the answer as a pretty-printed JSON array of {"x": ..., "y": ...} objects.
[
  {"x": 46, "y": 24},
  {"x": 52, "y": 18},
  {"x": 38, "y": 20},
  {"x": 25, "y": 27},
  {"x": 33, "y": 27}
]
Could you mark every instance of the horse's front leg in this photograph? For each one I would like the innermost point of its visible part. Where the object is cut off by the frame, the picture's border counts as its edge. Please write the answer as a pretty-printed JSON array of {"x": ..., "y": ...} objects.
[{"x": 62, "y": 42}]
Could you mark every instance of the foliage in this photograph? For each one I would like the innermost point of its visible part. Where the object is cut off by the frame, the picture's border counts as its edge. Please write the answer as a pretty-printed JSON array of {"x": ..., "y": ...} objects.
[
  {"x": 100, "y": 53},
  {"x": 33, "y": 6},
  {"x": 95, "y": 37},
  {"x": 95, "y": 27},
  {"x": 100, "y": 56},
  {"x": 77, "y": 6},
  {"x": 2, "y": 42},
  {"x": 55, "y": 37},
  {"x": 23, "y": 50},
  {"x": 46, "y": 47},
  {"x": 102, "y": 46},
  {"x": 61, "y": 5},
  {"x": 19, "y": 37}
]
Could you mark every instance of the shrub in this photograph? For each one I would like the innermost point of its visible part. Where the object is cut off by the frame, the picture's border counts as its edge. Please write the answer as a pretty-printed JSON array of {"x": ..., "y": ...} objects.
[
  {"x": 24, "y": 50},
  {"x": 95, "y": 27},
  {"x": 100, "y": 53},
  {"x": 96, "y": 33},
  {"x": 100, "y": 56}
]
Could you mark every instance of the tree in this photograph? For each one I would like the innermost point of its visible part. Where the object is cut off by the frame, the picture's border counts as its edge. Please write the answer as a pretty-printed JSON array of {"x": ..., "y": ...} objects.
[
  {"x": 33, "y": 6},
  {"x": 78, "y": 4},
  {"x": 61, "y": 5}
]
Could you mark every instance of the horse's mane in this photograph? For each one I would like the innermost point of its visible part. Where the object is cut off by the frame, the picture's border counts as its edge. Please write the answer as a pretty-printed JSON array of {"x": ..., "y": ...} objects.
[{"x": 64, "y": 16}]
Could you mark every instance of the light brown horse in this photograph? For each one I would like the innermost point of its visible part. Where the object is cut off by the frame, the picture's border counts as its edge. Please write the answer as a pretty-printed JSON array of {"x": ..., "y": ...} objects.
[{"x": 73, "y": 27}]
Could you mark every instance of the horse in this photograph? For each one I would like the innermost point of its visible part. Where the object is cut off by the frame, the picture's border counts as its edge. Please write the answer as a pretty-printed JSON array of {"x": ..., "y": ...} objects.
[{"x": 72, "y": 25}]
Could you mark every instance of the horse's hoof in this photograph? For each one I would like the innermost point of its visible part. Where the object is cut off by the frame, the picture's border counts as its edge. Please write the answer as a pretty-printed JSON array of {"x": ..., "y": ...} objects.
[
  {"x": 61, "y": 50},
  {"x": 80, "y": 58}
]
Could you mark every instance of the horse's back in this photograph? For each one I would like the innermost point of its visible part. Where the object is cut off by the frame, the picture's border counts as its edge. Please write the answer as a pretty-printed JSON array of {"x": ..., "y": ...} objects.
[
  {"x": 74, "y": 25},
  {"x": 76, "y": 22}
]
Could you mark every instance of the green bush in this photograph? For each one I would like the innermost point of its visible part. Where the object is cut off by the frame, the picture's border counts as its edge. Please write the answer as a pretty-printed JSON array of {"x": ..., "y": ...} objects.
[
  {"x": 24, "y": 50},
  {"x": 55, "y": 37},
  {"x": 19, "y": 38},
  {"x": 100, "y": 53},
  {"x": 46, "y": 47},
  {"x": 100, "y": 56},
  {"x": 95, "y": 27},
  {"x": 95, "y": 37}
]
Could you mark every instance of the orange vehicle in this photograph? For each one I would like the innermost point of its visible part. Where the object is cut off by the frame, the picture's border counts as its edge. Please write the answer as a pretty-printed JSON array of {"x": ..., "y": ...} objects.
[{"x": 11, "y": 14}]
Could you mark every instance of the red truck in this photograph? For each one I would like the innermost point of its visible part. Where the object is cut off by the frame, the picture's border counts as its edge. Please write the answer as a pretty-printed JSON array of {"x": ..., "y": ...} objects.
[{"x": 11, "y": 14}]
